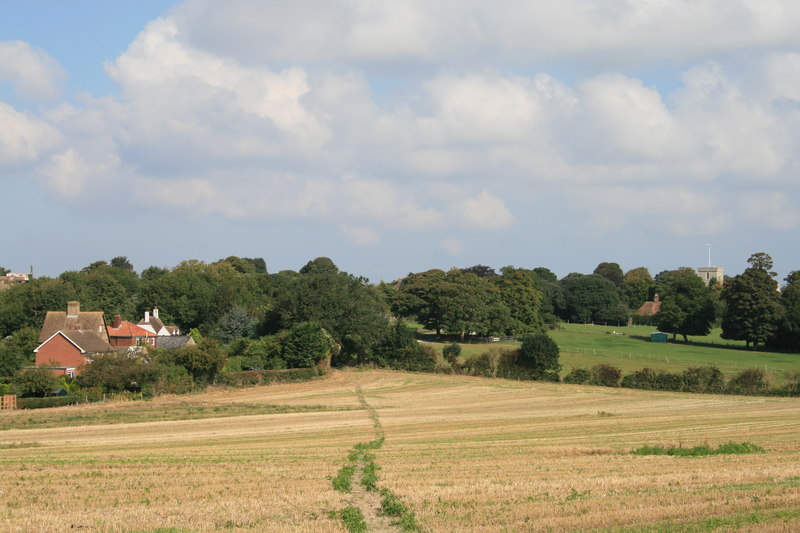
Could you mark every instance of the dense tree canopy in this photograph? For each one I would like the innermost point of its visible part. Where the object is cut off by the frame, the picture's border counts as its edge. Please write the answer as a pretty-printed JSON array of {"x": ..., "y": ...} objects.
[
  {"x": 753, "y": 309},
  {"x": 610, "y": 271},
  {"x": 637, "y": 286},
  {"x": 687, "y": 305},
  {"x": 592, "y": 298}
]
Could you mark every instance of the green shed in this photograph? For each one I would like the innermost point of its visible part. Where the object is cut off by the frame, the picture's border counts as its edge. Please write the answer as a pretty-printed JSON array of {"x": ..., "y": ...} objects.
[{"x": 658, "y": 336}]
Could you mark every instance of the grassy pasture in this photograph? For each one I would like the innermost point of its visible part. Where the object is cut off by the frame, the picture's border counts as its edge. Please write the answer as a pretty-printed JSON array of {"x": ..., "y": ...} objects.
[
  {"x": 463, "y": 453},
  {"x": 630, "y": 349}
]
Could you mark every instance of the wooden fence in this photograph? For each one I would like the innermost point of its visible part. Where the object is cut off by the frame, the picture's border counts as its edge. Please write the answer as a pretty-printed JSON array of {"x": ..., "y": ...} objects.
[{"x": 8, "y": 401}]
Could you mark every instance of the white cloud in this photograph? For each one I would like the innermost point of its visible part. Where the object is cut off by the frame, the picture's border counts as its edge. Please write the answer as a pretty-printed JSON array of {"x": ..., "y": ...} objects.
[
  {"x": 282, "y": 115},
  {"x": 630, "y": 119},
  {"x": 360, "y": 236},
  {"x": 519, "y": 32},
  {"x": 24, "y": 138},
  {"x": 771, "y": 209},
  {"x": 452, "y": 246},
  {"x": 34, "y": 73},
  {"x": 484, "y": 211}
]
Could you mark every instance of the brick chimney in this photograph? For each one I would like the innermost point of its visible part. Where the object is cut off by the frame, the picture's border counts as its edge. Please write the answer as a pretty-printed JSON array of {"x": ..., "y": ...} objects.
[
  {"x": 155, "y": 312},
  {"x": 147, "y": 316},
  {"x": 73, "y": 308},
  {"x": 117, "y": 321}
]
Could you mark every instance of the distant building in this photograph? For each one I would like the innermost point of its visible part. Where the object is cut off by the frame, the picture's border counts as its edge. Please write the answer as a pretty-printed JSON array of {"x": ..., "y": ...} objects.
[
  {"x": 650, "y": 308},
  {"x": 13, "y": 278},
  {"x": 708, "y": 273},
  {"x": 68, "y": 340},
  {"x": 125, "y": 334},
  {"x": 154, "y": 325}
]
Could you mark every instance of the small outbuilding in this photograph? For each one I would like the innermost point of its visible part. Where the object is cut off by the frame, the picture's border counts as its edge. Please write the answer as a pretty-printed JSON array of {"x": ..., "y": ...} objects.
[{"x": 659, "y": 336}]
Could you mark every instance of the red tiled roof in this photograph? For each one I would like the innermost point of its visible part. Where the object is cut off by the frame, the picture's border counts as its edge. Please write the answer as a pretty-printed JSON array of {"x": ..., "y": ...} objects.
[
  {"x": 129, "y": 329},
  {"x": 650, "y": 308}
]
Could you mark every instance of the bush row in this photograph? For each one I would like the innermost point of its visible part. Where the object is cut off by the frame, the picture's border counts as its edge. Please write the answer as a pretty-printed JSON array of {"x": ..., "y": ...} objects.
[
  {"x": 707, "y": 379},
  {"x": 248, "y": 378}
]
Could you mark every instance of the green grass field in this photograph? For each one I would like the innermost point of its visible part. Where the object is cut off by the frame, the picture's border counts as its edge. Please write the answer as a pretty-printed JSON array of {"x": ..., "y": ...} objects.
[{"x": 629, "y": 348}]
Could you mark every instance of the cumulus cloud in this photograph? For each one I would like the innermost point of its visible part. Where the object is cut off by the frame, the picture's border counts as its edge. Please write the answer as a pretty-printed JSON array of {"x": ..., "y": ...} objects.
[
  {"x": 615, "y": 33},
  {"x": 452, "y": 246},
  {"x": 360, "y": 236},
  {"x": 249, "y": 111},
  {"x": 34, "y": 73},
  {"x": 24, "y": 138}
]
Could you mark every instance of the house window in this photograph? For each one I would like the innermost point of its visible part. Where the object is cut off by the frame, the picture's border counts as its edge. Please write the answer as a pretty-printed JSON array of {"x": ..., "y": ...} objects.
[{"x": 71, "y": 373}]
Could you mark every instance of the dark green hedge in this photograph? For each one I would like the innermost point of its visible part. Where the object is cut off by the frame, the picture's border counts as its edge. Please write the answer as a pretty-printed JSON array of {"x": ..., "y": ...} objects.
[
  {"x": 249, "y": 378},
  {"x": 41, "y": 403}
]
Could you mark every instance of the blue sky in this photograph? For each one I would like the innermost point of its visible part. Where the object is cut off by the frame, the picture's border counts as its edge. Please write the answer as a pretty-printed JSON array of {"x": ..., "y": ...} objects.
[{"x": 397, "y": 137}]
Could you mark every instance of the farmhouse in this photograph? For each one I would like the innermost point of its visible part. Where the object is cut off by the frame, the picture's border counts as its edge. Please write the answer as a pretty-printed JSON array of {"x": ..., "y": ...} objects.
[
  {"x": 650, "y": 308},
  {"x": 123, "y": 334},
  {"x": 13, "y": 278},
  {"x": 154, "y": 325},
  {"x": 69, "y": 339}
]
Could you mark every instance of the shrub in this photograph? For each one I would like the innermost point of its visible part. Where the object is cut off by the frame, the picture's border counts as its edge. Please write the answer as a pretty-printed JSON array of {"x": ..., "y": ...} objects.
[
  {"x": 539, "y": 352},
  {"x": 451, "y": 353},
  {"x": 484, "y": 364},
  {"x": 249, "y": 378},
  {"x": 305, "y": 345},
  {"x": 749, "y": 381},
  {"x": 606, "y": 375},
  {"x": 118, "y": 372},
  {"x": 203, "y": 362},
  {"x": 36, "y": 382},
  {"x": 578, "y": 376},
  {"x": 509, "y": 368},
  {"x": 703, "y": 379},
  {"x": 42, "y": 403},
  {"x": 399, "y": 349},
  {"x": 792, "y": 381},
  {"x": 645, "y": 378}
]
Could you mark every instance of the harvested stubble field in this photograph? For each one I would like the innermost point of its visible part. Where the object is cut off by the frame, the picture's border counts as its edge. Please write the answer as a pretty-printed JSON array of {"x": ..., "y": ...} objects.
[{"x": 464, "y": 453}]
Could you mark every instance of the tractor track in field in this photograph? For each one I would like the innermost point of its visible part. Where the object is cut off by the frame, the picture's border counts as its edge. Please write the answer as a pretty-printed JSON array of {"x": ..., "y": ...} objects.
[{"x": 370, "y": 508}]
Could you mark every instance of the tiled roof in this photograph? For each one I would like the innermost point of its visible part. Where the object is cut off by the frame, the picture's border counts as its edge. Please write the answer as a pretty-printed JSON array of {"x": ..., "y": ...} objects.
[
  {"x": 650, "y": 308},
  {"x": 87, "y": 341},
  {"x": 155, "y": 323},
  {"x": 174, "y": 342},
  {"x": 128, "y": 329},
  {"x": 87, "y": 321}
]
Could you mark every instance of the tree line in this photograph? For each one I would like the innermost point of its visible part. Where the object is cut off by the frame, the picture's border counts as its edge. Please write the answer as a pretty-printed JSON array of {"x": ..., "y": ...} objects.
[{"x": 249, "y": 318}]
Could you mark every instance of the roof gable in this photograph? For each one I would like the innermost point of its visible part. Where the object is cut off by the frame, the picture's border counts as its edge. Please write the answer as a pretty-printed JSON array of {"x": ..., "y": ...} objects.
[
  {"x": 85, "y": 341},
  {"x": 89, "y": 321}
]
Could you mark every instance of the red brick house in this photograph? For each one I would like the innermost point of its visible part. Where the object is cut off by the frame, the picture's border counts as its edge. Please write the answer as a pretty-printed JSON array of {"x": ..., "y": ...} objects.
[
  {"x": 122, "y": 334},
  {"x": 69, "y": 339}
]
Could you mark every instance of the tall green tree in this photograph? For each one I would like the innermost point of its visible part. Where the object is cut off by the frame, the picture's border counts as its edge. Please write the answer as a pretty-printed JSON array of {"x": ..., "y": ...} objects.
[
  {"x": 350, "y": 310},
  {"x": 610, "y": 271},
  {"x": 753, "y": 311},
  {"x": 687, "y": 305},
  {"x": 540, "y": 353},
  {"x": 593, "y": 298},
  {"x": 305, "y": 345},
  {"x": 637, "y": 286},
  {"x": 787, "y": 336},
  {"x": 417, "y": 298},
  {"x": 16, "y": 351},
  {"x": 524, "y": 301}
]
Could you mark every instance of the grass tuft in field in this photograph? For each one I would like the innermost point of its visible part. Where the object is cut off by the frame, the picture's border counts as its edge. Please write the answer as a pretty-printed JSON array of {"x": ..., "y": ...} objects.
[
  {"x": 729, "y": 448},
  {"x": 353, "y": 519}
]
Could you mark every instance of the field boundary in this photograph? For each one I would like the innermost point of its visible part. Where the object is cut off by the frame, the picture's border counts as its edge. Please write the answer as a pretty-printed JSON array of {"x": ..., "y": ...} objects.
[{"x": 664, "y": 359}]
